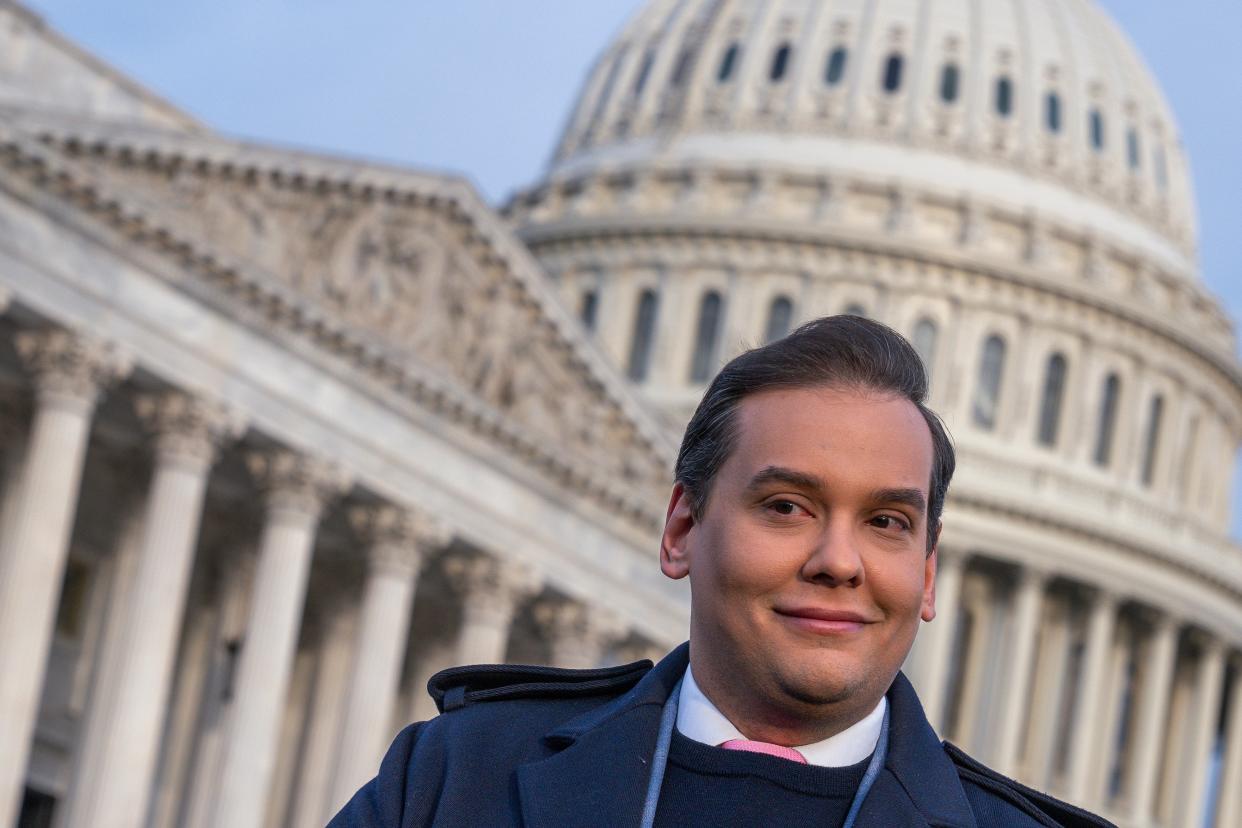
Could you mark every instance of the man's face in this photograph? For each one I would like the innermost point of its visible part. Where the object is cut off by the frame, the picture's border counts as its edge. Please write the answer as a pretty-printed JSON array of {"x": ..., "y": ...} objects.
[{"x": 809, "y": 568}]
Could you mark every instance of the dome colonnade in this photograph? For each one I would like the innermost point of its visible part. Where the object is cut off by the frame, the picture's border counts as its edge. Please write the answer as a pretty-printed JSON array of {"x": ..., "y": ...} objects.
[{"x": 1005, "y": 185}]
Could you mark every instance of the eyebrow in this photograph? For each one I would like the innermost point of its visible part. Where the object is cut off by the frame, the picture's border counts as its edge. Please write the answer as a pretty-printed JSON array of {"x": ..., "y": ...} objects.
[
  {"x": 910, "y": 497},
  {"x": 777, "y": 474}
]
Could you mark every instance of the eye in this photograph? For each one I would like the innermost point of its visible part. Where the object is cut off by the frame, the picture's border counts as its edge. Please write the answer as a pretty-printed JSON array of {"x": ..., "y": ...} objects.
[
  {"x": 784, "y": 508},
  {"x": 890, "y": 522}
]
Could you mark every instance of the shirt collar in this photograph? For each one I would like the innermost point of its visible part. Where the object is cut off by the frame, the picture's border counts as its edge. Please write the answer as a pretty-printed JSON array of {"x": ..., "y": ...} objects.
[{"x": 702, "y": 721}]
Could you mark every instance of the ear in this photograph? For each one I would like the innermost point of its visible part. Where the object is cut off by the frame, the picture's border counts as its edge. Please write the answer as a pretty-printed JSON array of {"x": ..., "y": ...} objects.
[
  {"x": 674, "y": 547},
  {"x": 929, "y": 578}
]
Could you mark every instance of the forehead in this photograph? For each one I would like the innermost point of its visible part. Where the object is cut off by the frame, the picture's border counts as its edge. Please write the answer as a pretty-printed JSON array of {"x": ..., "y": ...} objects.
[{"x": 878, "y": 438}]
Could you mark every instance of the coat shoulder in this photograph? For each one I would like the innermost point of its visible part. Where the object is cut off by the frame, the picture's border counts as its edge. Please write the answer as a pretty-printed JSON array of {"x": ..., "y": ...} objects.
[
  {"x": 459, "y": 687},
  {"x": 1006, "y": 801}
]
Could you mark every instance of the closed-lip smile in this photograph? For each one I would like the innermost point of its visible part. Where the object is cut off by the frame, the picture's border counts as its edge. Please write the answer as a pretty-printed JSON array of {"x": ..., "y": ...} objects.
[{"x": 823, "y": 621}]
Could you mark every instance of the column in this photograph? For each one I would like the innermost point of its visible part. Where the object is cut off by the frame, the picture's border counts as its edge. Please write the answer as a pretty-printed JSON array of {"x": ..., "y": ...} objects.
[
  {"x": 335, "y": 628},
  {"x": 1209, "y": 680},
  {"x": 397, "y": 542},
  {"x": 1086, "y": 747},
  {"x": 490, "y": 593},
  {"x": 1153, "y": 709},
  {"x": 125, "y": 718},
  {"x": 1046, "y": 701},
  {"x": 933, "y": 682},
  {"x": 577, "y": 635},
  {"x": 1028, "y": 605},
  {"x": 296, "y": 489},
  {"x": 972, "y": 703},
  {"x": 1229, "y": 799},
  {"x": 68, "y": 376}
]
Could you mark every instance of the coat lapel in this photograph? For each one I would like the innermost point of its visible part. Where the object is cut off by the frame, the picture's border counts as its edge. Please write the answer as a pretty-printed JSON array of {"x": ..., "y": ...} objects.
[
  {"x": 919, "y": 785},
  {"x": 600, "y": 770}
]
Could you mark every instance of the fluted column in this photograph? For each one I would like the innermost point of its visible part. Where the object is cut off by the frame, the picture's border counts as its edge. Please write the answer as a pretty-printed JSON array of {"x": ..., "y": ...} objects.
[
  {"x": 1208, "y": 688},
  {"x": 1149, "y": 738},
  {"x": 396, "y": 543},
  {"x": 491, "y": 591},
  {"x": 934, "y": 681},
  {"x": 1086, "y": 747},
  {"x": 1229, "y": 799},
  {"x": 578, "y": 635},
  {"x": 1028, "y": 605},
  {"x": 336, "y": 624},
  {"x": 125, "y": 717},
  {"x": 68, "y": 375},
  {"x": 296, "y": 490}
]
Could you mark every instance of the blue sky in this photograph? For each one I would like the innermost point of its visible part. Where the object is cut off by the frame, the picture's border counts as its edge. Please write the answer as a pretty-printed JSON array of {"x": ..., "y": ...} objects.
[{"x": 482, "y": 87}]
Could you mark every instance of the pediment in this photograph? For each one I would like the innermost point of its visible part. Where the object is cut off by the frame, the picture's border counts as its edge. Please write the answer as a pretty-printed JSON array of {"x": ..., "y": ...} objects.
[{"x": 417, "y": 266}]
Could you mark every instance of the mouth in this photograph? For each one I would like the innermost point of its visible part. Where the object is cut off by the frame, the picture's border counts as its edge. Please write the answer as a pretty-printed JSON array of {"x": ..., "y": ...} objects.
[{"x": 822, "y": 621}]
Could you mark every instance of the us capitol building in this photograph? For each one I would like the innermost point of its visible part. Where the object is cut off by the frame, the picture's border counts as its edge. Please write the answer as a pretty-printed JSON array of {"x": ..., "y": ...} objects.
[{"x": 283, "y": 434}]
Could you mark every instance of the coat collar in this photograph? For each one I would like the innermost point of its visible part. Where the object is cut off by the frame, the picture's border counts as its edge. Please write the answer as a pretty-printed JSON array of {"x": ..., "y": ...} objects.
[{"x": 616, "y": 741}]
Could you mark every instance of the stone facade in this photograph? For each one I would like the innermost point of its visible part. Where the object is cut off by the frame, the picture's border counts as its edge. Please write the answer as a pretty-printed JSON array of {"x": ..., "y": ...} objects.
[{"x": 282, "y": 435}]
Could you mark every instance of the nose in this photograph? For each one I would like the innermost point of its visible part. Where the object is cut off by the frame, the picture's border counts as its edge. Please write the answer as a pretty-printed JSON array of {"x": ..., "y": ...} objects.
[{"x": 836, "y": 559}]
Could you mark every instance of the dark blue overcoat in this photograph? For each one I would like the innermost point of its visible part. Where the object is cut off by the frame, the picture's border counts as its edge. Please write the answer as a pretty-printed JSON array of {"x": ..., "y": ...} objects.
[{"x": 523, "y": 746}]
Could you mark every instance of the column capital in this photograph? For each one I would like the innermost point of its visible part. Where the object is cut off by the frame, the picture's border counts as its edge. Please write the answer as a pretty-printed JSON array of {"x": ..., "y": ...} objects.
[
  {"x": 187, "y": 430},
  {"x": 68, "y": 370},
  {"x": 567, "y": 618},
  {"x": 397, "y": 539},
  {"x": 579, "y": 632},
  {"x": 488, "y": 580},
  {"x": 296, "y": 483}
]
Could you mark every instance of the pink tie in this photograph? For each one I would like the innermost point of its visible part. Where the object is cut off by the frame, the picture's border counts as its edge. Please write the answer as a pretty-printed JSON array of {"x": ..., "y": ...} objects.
[{"x": 766, "y": 748}]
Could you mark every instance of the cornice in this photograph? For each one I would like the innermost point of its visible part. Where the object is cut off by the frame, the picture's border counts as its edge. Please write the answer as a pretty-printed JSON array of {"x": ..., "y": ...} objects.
[{"x": 283, "y": 308}]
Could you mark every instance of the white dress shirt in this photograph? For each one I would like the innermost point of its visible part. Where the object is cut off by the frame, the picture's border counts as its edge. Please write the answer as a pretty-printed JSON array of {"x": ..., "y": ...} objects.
[{"x": 702, "y": 721}]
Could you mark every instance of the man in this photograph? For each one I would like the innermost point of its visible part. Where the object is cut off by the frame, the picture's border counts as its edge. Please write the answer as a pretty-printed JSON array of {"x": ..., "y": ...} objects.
[{"x": 806, "y": 513}]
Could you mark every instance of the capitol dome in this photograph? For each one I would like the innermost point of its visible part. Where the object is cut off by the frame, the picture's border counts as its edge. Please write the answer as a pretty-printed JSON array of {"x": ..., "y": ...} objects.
[{"x": 1003, "y": 183}]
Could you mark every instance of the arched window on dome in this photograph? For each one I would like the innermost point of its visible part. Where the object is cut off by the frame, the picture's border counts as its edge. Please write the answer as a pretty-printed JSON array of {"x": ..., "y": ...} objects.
[
  {"x": 1095, "y": 123},
  {"x": 950, "y": 82},
  {"x": 855, "y": 309},
  {"x": 644, "y": 71},
  {"x": 891, "y": 79},
  {"x": 681, "y": 69},
  {"x": 1052, "y": 112},
  {"x": 1132, "y": 149},
  {"x": 1051, "y": 402},
  {"x": 780, "y": 63},
  {"x": 707, "y": 337},
  {"x": 834, "y": 72},
  {"x": 728, "y": 64},
  {"x": 924, "y": 342},
  {"x": 1107, "y": 425},
  {"x": 986, "y": 403},
  {"x": 589, "y": 309},
  {"x": 644, "y": 335},
  {"x": 780, "y": 319},
  {"x": 1151, "y": 443},
  {"x": 1004, "y": 96}
]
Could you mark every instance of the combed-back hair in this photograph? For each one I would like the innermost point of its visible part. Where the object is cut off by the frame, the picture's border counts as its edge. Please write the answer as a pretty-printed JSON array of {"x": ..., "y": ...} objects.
[{"x": 844, "y": 351}]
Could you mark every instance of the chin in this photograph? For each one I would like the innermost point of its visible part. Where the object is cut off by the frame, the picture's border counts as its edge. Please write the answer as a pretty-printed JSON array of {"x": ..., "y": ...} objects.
[{"x": 819, "y": 688}]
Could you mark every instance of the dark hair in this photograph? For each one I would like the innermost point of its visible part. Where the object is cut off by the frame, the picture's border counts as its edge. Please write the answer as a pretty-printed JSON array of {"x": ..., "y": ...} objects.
[{"x": 835, "y": 351}]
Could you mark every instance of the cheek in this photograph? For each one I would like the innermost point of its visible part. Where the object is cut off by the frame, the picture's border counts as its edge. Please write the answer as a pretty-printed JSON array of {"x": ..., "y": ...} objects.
[
  {"x": 742, "y": 563},
  {"x": 898, "y": 585}
]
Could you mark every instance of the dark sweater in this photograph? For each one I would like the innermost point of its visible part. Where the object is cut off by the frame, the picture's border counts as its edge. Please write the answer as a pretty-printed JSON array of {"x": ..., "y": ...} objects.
[{"x": 711, "y": 786}]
